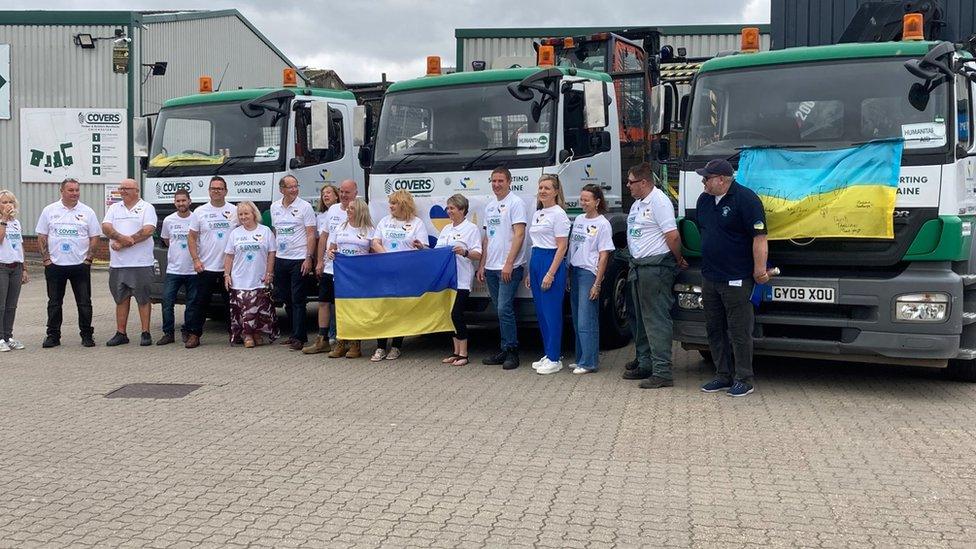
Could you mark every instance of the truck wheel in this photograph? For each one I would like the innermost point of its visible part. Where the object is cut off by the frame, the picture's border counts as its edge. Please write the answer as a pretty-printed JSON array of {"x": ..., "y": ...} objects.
[
  {"x": 962, "y": 370},
  {"x": 614, "y": 322}
]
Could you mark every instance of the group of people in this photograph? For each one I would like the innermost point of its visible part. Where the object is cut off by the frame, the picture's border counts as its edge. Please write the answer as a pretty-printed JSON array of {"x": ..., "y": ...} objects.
[{"x": 225, "y": 248}]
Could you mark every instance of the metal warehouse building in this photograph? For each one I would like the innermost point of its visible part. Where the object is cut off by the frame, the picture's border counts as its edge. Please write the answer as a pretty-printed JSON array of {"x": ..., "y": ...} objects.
[
  {"x": 699, "y": 40},
  {"x": 57, "y": 64}
]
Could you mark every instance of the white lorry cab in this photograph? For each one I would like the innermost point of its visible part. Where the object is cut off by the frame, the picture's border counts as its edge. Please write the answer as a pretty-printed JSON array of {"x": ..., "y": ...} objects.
[
  {"x": 251, "y": 138},
  {"x": 910, "y": 299},
  {"x": 444, "y": 134}
]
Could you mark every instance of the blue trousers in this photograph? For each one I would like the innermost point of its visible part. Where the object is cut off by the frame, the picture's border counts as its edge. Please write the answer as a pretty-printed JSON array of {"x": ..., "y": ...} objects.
[
  {"x": 172, "y": 287},
  {"x": 586, "y": 318},
  {"x": 549, "y": 303},
  {"x": 291, "y": 291},
  {"x": 503, "y": 298}
]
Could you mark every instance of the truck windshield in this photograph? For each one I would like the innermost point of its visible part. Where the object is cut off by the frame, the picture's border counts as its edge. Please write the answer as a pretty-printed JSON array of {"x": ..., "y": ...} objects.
[
  {"x": 814, "y": 106},
  {"x": 591, "y": 56},
  {"x": 452, "y": 128},
  {"x": 207, "y": 136}
]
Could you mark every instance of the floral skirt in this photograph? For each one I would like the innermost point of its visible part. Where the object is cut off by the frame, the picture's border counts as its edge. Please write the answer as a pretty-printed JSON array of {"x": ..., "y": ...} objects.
[{"x": 252, "y": 314}]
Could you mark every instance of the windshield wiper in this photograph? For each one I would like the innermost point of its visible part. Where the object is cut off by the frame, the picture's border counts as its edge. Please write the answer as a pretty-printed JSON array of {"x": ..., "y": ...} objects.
[
  {"x": 778, "y": 146},
  {"x": 490, "y": 151},
  {"x": 231, "y": 160},
  {"x": 172, "y": 163},
  {"x": 412, "y": 155}
]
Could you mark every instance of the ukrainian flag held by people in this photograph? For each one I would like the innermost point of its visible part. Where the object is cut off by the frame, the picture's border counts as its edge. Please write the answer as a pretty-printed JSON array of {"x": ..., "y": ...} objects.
[
  {"x": 395, "y": 294},
  {"x": 845, "y": 193}
]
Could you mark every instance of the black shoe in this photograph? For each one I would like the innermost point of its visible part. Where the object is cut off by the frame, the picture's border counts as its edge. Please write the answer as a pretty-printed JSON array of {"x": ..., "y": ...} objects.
[
  {"x": 495, "y": 359},
  {"x": 511, "y": 360},
  {"x": 655, "y": 382},
  {"x": 87, "y": 341},
  {"x": 118, "y": 339},
  {"x": 51, "y": 341},
  {"x": 632, "y": 365},
  {"x": 166, "y": 339},
  {"x": 636, "y": 374},
  {"x": 145, "y": 339}
]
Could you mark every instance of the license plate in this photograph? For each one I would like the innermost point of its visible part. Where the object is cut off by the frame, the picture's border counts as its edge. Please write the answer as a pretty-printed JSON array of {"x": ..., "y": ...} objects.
[{"x": 803, "y": 294}]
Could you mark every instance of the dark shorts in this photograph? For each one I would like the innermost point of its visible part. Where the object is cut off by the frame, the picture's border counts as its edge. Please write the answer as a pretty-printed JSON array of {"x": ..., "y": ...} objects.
[
  {"x": 326, "y": 289},
  {"x": 126, "y": 282}
]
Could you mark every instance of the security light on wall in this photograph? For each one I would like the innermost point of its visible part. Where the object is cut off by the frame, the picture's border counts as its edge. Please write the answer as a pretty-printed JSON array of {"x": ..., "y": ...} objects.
[
  {"x": 158, "y": 68},
  {"x": 85, "y": 41}
]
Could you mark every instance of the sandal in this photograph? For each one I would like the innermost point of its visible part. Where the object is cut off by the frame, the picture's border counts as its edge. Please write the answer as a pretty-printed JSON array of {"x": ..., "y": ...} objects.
[
  {"x": 450, "y": 359},
  {"x": 461, "y": 361},
  {"x": 258, "y": 341},
  {"x": 248, "y": 343}
]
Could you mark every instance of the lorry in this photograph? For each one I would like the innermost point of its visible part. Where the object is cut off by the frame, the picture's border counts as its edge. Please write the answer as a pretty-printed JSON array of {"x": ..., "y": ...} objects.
[
  {"x": 908, "y": 300},
  {"x": 251, "y": 138},
  {"x": 443, "y": 134}
]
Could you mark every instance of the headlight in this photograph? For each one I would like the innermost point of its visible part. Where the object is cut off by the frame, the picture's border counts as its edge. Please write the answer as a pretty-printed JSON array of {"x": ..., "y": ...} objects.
[
  {"x": 688, "y": 296},
  {"x": 922, "y": 307}
]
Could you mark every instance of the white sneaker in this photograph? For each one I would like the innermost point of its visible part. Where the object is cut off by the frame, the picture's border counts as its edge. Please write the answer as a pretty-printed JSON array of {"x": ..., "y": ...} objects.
[
  {"x": 550, "y": 368},
  {"x": 578, "y": 370},
  {"x": 3, "y": 346},
  {"x": 538, "y": 364},
  {"x": 15, "y": 344},
  {"x": 393, "y": 354},
  {"x": 378, "y": 355}
]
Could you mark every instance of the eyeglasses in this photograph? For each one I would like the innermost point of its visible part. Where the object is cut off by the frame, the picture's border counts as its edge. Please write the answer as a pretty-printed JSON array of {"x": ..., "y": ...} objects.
[
  {"x": 633, "y": 181},
  {"x": 128, "y": 189}
]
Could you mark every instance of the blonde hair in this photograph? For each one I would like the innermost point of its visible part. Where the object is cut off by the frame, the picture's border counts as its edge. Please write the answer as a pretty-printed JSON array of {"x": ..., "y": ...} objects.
[
  {"x": 405, "y": 199},
  {"x": 557, "y": 186},
  {"x": 4, "y": 193},
  {"x": 335, "y": 191},
  {"x": 248, "y": 205},
  {"x": 360, "y": 214}
]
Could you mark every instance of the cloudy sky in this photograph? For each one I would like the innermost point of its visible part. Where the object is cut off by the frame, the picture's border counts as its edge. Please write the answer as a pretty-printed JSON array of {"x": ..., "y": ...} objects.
[{"x": 362, "y": 39}]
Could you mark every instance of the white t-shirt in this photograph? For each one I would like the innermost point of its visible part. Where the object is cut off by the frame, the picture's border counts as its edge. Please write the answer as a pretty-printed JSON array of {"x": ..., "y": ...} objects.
[
  {"x": 289, "y": 224},
  {"x": 647, "y": 222},
  {"x": 176, "y": 230},
  {"x": 12, "y": 247},
  {"x": 350, "y": 241},
  {"x": 588, "y": 239},
  {"x": 398, "y": 236},
  {"x": 327, "y": 222},
  {"x": 68, "y": 231},
  {"x": 500, "y": 216},
  {"x": 547, "y": 225},
  {"x": 213, "y": 225},
  {"x": 250, "y": 250},
  {"x": 466, "y": 235},
  {"x": 128, "y": 221}
]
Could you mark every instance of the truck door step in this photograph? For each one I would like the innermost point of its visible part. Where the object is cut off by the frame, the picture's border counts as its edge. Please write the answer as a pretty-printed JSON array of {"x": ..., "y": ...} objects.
[
  {"x": 966, "y": 354},
  {"x": 968, "y": 279}
]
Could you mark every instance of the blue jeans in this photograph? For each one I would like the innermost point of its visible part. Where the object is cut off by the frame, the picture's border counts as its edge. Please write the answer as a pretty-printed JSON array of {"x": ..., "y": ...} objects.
[
  {"x": 548, "y": 303},
  {"x": 172, "y": 287},
  {"x": 503, "y": 298},
  {"x": 586, "y": 318}
]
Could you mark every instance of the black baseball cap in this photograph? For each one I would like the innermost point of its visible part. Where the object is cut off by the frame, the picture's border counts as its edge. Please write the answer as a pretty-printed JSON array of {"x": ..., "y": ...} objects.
[{"x": 718, "y": 166}]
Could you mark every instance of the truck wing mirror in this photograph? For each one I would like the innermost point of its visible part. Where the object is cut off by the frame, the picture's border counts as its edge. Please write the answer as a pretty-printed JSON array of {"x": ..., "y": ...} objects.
[
  {"x": 918, "y": 96},
  {"x": 267, "y": 102},
  {"x": 365, "y": 157},
  {"x": 141, "y": 136},
  {"x": 320, "y": 125},
  {"x": 595, "y": 104},
  {"x": 658, "y": 109},
  {"x": 683, "y": 111},
  {"x": 358, "y": 126},
  {"x": 661, "y": 148},
  {"x": 600, "y": 141}
]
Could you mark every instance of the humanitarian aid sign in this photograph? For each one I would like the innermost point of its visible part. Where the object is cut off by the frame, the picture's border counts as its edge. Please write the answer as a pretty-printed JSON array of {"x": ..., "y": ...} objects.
[{"x": 90, "y": 145}]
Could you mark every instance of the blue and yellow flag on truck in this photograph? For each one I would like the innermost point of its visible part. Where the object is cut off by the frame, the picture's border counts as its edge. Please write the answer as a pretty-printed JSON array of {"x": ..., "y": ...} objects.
[
  {"x": 845, "y": 193},
  {"x": 395, "y": 294}
]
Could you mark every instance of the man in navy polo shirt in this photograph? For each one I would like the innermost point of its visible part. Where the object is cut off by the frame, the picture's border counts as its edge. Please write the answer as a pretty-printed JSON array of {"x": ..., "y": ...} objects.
[{"x": 734, "y": 250}]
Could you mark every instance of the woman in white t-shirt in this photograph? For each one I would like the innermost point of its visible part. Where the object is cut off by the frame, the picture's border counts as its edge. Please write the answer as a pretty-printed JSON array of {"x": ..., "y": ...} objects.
[
  {"x": 547, "y": 270},
  {"x": 464, "y": 238},
  {"x": 400, "y": 231},
  {"x": 248, "y": 270},
  {"x": 353, "y": 237},
  {"x": 590, "y": 246},
  {"x": 12, "y": 272}
]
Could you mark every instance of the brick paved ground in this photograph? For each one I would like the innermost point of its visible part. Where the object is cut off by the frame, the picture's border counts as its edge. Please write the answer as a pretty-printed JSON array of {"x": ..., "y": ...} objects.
[{"x": 286, "y": 450}]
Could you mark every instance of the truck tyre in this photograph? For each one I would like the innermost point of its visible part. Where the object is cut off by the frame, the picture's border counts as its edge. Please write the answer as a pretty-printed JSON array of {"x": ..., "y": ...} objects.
[
  {"x": 962, "y": 370},
  {"x": 614, "y": 321}
]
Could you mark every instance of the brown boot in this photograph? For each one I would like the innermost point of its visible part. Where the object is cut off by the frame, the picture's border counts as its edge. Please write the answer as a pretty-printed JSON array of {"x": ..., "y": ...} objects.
[
  {"x": 355, "y": 351},
  {"x": 340, "y": 349},
  {"x": 192, "y": 341},
  {"x": 320, "y": 345}
]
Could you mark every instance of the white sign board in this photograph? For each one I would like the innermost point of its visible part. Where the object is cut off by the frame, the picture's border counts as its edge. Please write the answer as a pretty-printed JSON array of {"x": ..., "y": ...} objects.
[
  {"x": 4, "y": 81},
  {"x": 90, "y": 145}
]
